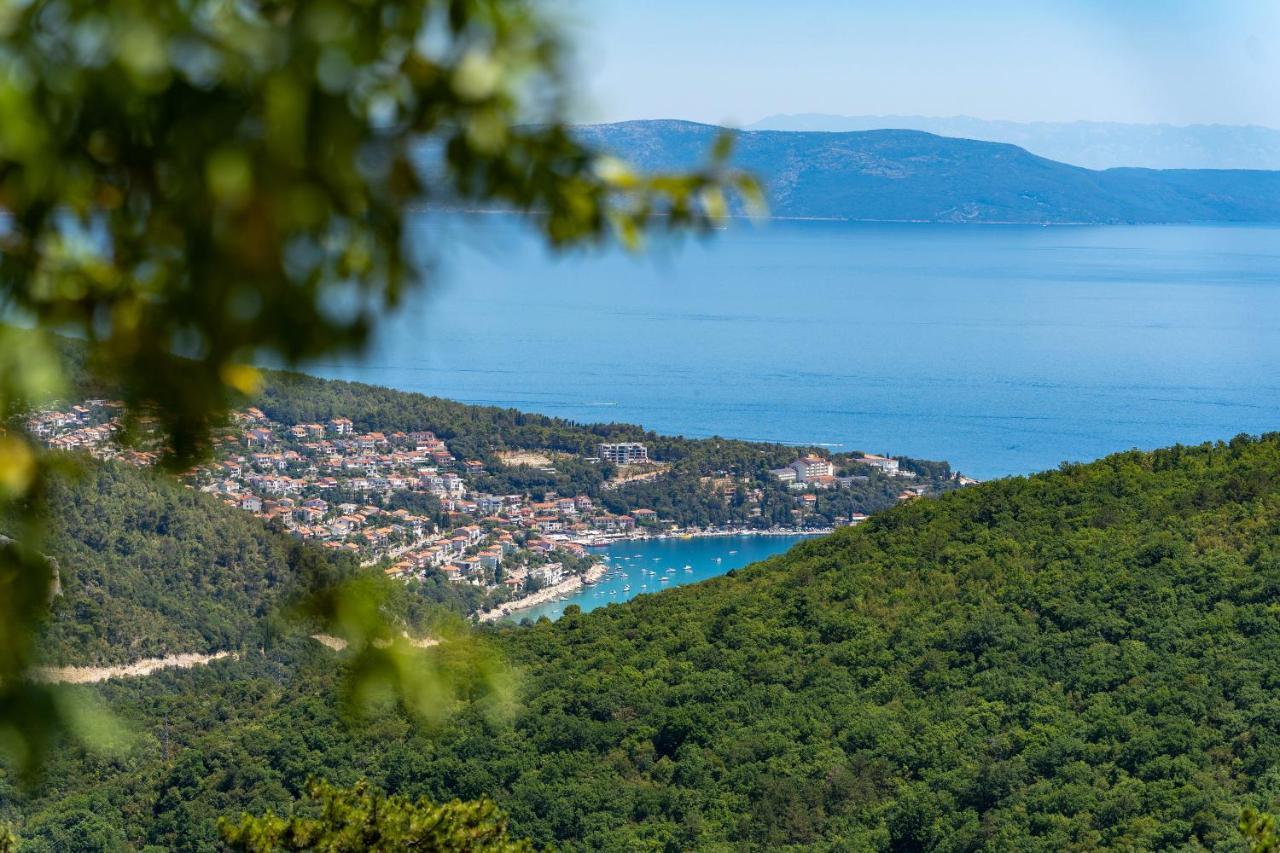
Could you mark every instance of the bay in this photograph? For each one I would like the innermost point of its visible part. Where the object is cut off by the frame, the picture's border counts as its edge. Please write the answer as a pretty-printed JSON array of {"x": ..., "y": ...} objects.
[
  {"x": 1004, "y": 349},
  {"x": 651, "y": 565}
]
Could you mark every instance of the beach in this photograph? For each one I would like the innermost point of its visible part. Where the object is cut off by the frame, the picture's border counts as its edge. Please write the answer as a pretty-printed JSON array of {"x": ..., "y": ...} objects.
[{"x": 544, "y": 595}]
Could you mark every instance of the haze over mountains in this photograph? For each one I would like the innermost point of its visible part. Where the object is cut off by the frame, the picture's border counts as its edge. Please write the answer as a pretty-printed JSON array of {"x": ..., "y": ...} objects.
[
  {"x": 1092, "y": 144},
  {"x": 907, "y": 175}
]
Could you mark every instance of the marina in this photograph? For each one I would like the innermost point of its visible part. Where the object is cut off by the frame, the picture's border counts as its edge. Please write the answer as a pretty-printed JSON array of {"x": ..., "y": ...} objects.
[{"x": 640, "y": 567}]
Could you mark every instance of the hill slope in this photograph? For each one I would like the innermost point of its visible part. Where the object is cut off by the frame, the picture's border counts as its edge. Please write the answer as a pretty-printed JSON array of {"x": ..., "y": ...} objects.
[
  {"x": 1086, "y": 658},
  {"x": 1092, "y": 144},
  {"x": 150, "y": 568},
  {"x": 903, "y": 175}
]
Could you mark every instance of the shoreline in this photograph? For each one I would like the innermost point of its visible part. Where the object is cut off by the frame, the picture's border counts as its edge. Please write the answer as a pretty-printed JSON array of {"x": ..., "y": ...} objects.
[
  {"x": 544, "y": 595},
  {"x": 572, "y": 584},
  {"x": 605, "y": 542}
]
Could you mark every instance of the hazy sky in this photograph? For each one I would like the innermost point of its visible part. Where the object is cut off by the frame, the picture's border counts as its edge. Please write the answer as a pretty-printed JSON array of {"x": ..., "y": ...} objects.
[{"x": 735, "y": 61}]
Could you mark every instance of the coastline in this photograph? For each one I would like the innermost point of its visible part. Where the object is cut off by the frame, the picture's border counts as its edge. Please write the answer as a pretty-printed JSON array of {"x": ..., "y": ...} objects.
[
  {"x": 542, "y": 596},
  {"x": 576, "y": 582},
  {"x": 606, "y": 541}
]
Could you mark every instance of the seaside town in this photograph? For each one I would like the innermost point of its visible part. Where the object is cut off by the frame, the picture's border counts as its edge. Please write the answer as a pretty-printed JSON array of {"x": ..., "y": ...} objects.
[{"x": 402, "y": 500}]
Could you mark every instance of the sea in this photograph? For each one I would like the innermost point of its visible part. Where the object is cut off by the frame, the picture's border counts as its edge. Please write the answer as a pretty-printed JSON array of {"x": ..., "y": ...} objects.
[
  {"x": 1002, "y": 349},
  {"x": 648, "y": 566}
]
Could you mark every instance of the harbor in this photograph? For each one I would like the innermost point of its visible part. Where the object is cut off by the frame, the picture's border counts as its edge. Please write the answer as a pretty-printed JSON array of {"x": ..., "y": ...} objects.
[{"x": 646, "y": 566}]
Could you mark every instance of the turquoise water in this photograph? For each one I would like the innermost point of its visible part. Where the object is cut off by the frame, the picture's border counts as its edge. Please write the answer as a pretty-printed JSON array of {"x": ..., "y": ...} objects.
[
  {"x": 643, "y": 564},
  {"x": 1003, "y": 349}
]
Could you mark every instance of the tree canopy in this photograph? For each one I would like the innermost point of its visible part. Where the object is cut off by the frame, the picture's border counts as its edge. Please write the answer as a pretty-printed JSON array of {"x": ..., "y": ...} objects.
[{"x": 1085, "y": 658}]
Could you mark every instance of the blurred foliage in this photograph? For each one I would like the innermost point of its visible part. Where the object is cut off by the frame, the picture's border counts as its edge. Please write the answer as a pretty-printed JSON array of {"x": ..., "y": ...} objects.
[
  {"x": 194, "y": 185},
  {"x": 1259, "y": 830},
  {"x": 360, "y": 818}
]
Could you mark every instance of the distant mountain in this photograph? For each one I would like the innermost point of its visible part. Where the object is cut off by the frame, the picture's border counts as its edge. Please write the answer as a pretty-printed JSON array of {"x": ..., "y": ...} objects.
[
  {"x": 1093, "y": 144},
  {"x": 905, "y": 175}
]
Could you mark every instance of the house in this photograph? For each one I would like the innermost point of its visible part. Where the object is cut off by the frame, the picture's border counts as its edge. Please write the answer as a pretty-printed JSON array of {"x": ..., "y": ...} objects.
[
  {"x": 258, "y": 436},
  {"x": 548, "y": 574},
  {"x": 883, "y": 463},
  {"x": 341, "y": 426}
]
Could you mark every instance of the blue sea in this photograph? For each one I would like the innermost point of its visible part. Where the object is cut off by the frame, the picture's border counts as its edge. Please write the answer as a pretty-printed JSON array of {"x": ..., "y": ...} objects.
[
  {"x": 1003, "y": 349},
  {"x": 651, "y": 565}
]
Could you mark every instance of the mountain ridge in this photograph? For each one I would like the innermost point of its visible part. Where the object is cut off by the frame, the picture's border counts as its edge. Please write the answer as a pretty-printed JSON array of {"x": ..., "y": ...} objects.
[
  {"x": 914, "y": 176},
  {"x": 1092, "y": 144}
]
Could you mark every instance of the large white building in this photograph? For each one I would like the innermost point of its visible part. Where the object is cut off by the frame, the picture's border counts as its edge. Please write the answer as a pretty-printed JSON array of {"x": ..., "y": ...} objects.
[
  {"x": 810, "y": 468},
  {"x": 884, "y": 463},
  {"x": 807, "y": 470},
  {"x": 624, "y": 453}
]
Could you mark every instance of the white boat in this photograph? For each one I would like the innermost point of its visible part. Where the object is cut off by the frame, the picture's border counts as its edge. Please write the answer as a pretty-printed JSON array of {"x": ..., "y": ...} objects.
[
  {"x": 627, "y": 588},
  {"x": 664, "y": 580}
]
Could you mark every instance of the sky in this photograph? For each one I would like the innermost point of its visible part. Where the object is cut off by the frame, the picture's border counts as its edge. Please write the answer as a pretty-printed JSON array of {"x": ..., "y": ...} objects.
[{"x": 736, "y": 61}]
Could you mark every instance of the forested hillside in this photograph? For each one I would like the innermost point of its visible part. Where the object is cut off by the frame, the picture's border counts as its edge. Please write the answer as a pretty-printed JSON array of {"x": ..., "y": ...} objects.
[
  {"x": 1086, "y": 658},
  {"x": 150, "y": 568}
]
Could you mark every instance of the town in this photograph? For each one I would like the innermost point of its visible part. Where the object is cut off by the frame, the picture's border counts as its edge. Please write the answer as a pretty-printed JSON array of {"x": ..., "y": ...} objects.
[{"x": 402, "y": 501}]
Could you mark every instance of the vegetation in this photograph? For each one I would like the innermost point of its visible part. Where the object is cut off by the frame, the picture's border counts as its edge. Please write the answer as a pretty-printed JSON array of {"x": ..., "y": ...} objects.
[
  {"x": 358, "y": 819},
  {"x": 1084, "y": 658},
  {"x": 148, "y": 568},
  {"x": 193, "y": 185}
]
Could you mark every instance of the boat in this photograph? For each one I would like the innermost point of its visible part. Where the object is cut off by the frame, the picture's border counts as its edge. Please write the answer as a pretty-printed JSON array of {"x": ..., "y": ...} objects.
[
  {"x": 665, "y": 580},
  {"x": 732, "y": 552},
  {"x": 627, "y": 588},
  {"x": 688, "y": 567}
]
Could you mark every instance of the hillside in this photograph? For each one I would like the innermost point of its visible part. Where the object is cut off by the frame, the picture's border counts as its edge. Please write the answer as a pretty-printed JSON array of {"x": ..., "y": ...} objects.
[
  {"x": 149, "y": 568},
  {"x": 1092, "y": 144},
  {"x": 1085, "y": 658},
  {"x": 904, "y": 175}
]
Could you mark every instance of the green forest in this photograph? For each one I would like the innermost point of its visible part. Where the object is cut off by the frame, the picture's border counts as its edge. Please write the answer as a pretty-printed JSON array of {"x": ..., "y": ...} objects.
[
  {"x": 1082, "y": 659},
  {"x": 150, "y": 568}
]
